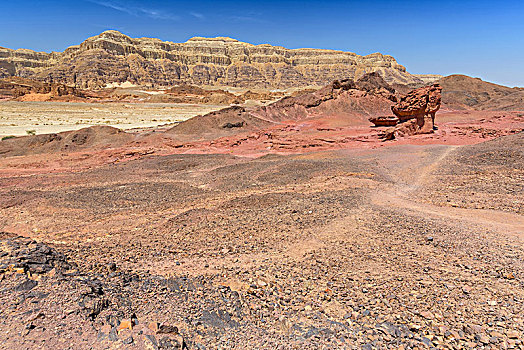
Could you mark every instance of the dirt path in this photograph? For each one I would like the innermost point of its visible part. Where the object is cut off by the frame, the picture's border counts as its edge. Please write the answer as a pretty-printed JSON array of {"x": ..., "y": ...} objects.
[{"x": 408, "y": 196}]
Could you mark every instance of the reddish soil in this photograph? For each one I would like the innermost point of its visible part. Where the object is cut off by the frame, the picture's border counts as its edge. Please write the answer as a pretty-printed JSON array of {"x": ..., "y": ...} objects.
[
  {"x": 294, "y": 136},
  {"x": 348, "y": 248}
]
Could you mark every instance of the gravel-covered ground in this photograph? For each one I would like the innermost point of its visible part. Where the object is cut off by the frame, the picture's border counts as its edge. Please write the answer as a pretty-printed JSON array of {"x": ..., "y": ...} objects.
[
  {"x": 484, "y": 176},
  {"x": 407, "y": 247}
]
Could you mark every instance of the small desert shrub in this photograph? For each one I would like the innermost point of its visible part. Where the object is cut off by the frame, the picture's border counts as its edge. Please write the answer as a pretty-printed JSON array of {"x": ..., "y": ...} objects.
[
  {"x": 30, "y": 132},
  {"x": 8, "y": 137}
]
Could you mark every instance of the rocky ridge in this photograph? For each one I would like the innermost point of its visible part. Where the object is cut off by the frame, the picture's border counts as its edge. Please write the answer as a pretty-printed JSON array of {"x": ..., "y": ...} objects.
[
  {"x": 114, "y": 57},
  {"x": 353, "y": 101},
  {"x": 15, "y": 87},
  {"x": 94, "y": 137},
  {"x": 463, "y": 92}
]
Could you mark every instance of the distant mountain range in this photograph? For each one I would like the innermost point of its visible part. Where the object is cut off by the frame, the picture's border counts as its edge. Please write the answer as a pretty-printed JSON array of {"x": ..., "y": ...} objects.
[{"x": 113, "y": 57}]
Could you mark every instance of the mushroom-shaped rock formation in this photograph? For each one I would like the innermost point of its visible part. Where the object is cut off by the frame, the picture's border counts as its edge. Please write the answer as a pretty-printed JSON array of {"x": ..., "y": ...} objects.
[
  {"x": 414, "y": 113},
  {"x": 420, "y": 104}
]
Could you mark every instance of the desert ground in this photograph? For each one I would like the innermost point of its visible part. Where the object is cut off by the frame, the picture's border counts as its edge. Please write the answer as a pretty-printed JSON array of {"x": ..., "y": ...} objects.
[
  {"x": 408, "y": 246},
  {"x": 17, "y": 118}
]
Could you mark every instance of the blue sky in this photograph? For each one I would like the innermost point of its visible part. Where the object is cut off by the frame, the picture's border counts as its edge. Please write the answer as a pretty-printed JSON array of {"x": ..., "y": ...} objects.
[{"x": 479, "y": 38}]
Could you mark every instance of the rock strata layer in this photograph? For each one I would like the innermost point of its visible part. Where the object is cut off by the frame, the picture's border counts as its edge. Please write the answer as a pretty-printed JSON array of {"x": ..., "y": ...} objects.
[
  {"x": 113, "y": 57},
  {"x": 16, "y": 87}
]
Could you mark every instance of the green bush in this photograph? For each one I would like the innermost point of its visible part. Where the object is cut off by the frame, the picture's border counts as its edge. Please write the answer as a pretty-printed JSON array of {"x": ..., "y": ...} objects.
[
  {"x": 30, "y": 132},
  {"x": 8, "y": 137}
]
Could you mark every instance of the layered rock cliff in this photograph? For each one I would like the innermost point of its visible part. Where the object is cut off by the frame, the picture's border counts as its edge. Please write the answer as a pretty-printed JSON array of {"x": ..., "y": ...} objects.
[
  {"x": 114, "y": 57},
  {"x": 15, "y": 87}
]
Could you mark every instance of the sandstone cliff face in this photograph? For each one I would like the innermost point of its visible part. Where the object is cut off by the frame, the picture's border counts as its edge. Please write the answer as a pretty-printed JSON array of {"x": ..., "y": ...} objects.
[
  {"x": 16, "y": 87},
  {"x": 114, "y": 57}
]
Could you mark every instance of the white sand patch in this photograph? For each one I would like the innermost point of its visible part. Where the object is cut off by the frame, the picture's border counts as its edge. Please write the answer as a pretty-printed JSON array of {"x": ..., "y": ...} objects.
[
  {"x": 124, "y": 85},
  {"x": 16, "y": 118},
  {"x": 152, "y": 92}
]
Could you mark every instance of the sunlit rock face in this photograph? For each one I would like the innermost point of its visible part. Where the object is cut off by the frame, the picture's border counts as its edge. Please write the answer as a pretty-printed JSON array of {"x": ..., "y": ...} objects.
[{"x": 113, "y": 57}]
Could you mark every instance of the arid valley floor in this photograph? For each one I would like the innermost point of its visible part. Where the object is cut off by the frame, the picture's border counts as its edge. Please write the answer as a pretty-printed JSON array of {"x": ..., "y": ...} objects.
[{"x": 17, "y": 118}]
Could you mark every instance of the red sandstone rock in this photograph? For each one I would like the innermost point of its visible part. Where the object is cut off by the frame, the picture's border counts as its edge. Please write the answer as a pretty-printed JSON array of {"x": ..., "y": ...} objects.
[
  {"x": 421, "y": 101},
  {"x": 416, "y": 112},
  {"x": 384, "y": 120},
  {"x": 126, "y": 324},
  {"x": 17, "y": 87}
]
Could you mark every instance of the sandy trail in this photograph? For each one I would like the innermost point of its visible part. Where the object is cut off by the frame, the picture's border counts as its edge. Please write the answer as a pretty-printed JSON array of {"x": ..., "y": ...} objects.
[{"x": 409, "y": 196}]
